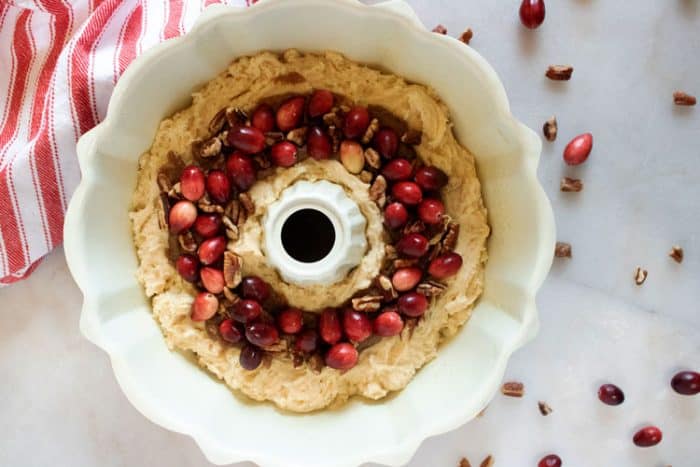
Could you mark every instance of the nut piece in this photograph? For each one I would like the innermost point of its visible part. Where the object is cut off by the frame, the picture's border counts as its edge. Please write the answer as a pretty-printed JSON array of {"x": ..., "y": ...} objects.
[
  {"x": 187, "y": 242},
  {"x": 559, "y": 72},
  {"x": 571, "y": 185},
  {"x": 298, "y": 135},
  {"x": 232, "y": 270},
  {"x": 412, "y": 137},
  {"x": 387, "y": 287},
  {"x": 513, "y": 389},
  {"x": 371, "y": 130},
  {"x": 390, "y": 252},
  {"x": 175, "y": 192},
  {"x": 367, "y": 303},
  {"x": 236, "y": 116},
  {"x": 247, "y": 203},
  {"x": 377, "y": 192},
  {"x": 273, "y": 137},
  {"x": 440, "y": 29},
  {"x": 333, "y": 119},
  {"x": 431, "y": 288},
  {"x": 545, "y": 409},
  {"x": 682, "y": 98},
  {"x": 231, "y": 228},
  {"x": 562, "y": 250},
  {"x": 231, "y": 297},
  {"x": 466, "y": 36},
  {"x": 405, "y": 263},
  {"x": 550, "y": 129},
  {"x": 640, "y": 275},
  {"x": 372, "y": 158},
  {"x": 676, "y": 253},
  {"x": 205, "y": 205},
  {"x": 417, "y": 226},
  {"x": 449, "y": 241},
  {"x": 216, "y": 124},
  {"x": 488, "y": 462},
  {"x": 365, "y": 176},
  {"x": 208, "y": 148}
]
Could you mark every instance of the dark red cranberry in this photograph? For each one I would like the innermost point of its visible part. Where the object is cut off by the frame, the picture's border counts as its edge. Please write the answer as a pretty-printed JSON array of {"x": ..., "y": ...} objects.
[
  {"x": 182, "y": 216},
  {"x": 407, "y": 192},
  {"x": 647, "y": 437},
  {"x": 261, "y": 334},
  {"x": 356, "y": 122},
  {"x": 284, "y": 154},
  {"x": 212, "y": 279},
  {"x": 357, "y": 325},
  {"x": 445, "y": 265},
  {"x": 211, "y": 249},
  {"x": 318, "y": 143},
  {"x": 306, "y": 341},
  {"x": 218, "y": 186},
  {"x": 430, "y": 178},
  {"x": 610, "y": 394},
  {"x": 431, "y": 211},
  {"x": 386, "y": 142},
  {"x": 246, "y": 310},
  {"x": 397, "y": 169},
  {"x": 192, "y": 183},
  {"x": 404, "y": 279},
  {"x": 686, "y": 383},
  {"x": 532, "y": 13},
  {"x": 320, "y": 103},
  {"x": 342, "y": 356},
  {"x": 290, "y": 113},
  {"x": 413, "y": 304},
  {"x": 550, "y": 460},
  {"x": 413, "y": 245},
  {"x": 395, "y": 215},
  {"x": 247, "y": 139},
  {"x": 240, "y": 170},
  {"x": 329, "y": 326},
  {"x": 250, "y": 357},
  {"x": 204, "y": 306},
  {"x": 290, "y": 320},
  {"x": 188, "y": 267},
  {"x": 229, "y": 331},
  {"x": 388, "y": 323},
  {"x": 255, "y": 288},
  {"x": 263, "y": 118},
  {"x": 208, "y": 225}
]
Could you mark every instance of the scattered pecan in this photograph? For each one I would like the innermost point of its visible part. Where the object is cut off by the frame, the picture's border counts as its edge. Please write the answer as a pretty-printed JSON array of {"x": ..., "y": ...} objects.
[
  {"x": 431, "y": 288},
  {"x": 236, "y": 116},
  {"x": 440, "y": 29},
  {"x": 365, "y": 176},
  {"x": 247, "y": 203},
  {"x": 562, "y": 250},
  {"x": 488, "y": 462},
  {"x": 367, "y": 303},
  {"x": 417, "y": 226},
  {"x": 545, "y": 409},
  {"x": 570, "y": 185},
  {"x": 163, "y": 211},
  {"x": 559, "y": 72},
  {"x": 216, "y": 124},
  {"x": 449, "y": 241},
  {"x": 223, "y": 136},
  {"x": 371, "y": 130},
  {"x": 372, "y": 158},
  {"x": 640, "y": 275},
  {"x": 333, "y": 119},
  {"x": 231, "y": 297},
  {"x": 682, "y": 98},
  {"x": 377, "y": 191},
  {"x": 405, "y": 263},
  {"x": 232, "y": 210},
  {"x": 273, "y": 137},
  {"x": 550, "y": 129},
  {"x": 316, "y": 363},
  {"x": 466, "y": 36},
  {"x": 513, "y": 389},
  {"x": 298, "y": 135},
  {"x": 676, "y": 253},
  {"x": 187, "y": 242},
  {"x": 387, "y": 287},
  {"x": 232, "y": 269},
  {"x": 164, "y": 182},
  {"x": 205, "y": 205},
  {"x": 175, "y": 192},
  {"x": 209, "y": 148},
  {"x": 464, "y": 462},
  {"x": 343, "y": 108},
  {"x": 390, "y": 252},
  {"x": 413, "y": 137},
  {"x": 232, "y": 232}
]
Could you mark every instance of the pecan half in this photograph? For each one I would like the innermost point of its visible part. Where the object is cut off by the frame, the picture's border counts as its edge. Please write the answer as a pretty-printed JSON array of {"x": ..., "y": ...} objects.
[
  {"x": 232, "y": 209},
  {"x": 365, "y": 176},
  {"x": 187, "y": 242},
  {"x": 559, "y": 72},
  {"x": 550, "y": 129},
  {"x": 676, "y": 253},
  {"x": 513, "y": 389},
  {"x": 488, "y": 462},
  {"x": 545, "y": 409},
  {"x": 373, "y": 158},
  {"x": 232, "y": 269},
  {"x": 247, "y": 203},
  {"x": 571, "y": 185},
  {"x": 164, "y": 182},
  {"x": 387, "y": 287},
  {"x": 431, "y": 288},
  {"x": 466, "y": 36},
  {"x": 449, "y": 241},
  {"x": 371, "y": 130},
  {"x": 440, "y": 29},
  {"x": 367, "y": 303},
  {"x": 216, "y": 124},
  {"x": 377, "y": 191},
  {"x": 562, "y": 250},
  {"x": 205, "y": 205},
  {"x": 298, "y": 135},
  {"x": 413, "y": 137},
  {"x": 231, "y": 228},
  {"x": 682, "y": 98},
  {"x": 640, "y": 275}
]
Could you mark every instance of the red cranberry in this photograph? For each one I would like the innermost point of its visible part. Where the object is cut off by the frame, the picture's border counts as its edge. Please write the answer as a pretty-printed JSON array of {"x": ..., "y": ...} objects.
[
  {"x": 686, "y": 383},
  {"x": 550, "y": 460},
  {"x": 229, "y": 332},
  {"x": 430, "y": 178},
  {"x": 250, "y": 357},
  {"x": 290, "y": 320},
  {"x": 397, "y": 169},
  {"x": 318, "y": 144},
  {"x": 188, "y": 267},
  {"x": 329, "y": 326},
  {"x": 284, "y": 154},
  {"x": 532, "y": 13},
  {"x": 320, "y": 103},
  {"x": 208, "y": 225},
  {"x": 262, "y": 334},
  {"x": 255, "y": 288},
  {"x": 445, "y": 265},
  {"x": 263, "y": 118},
  {"x": 405, "y": 279},
  {"x": 182, "y": 216},
  {"x": 413, "y": 304},
  {"x": 413, "y": 245},
  {"x": 211, "y": 250},
  {"x": 357, "y": 325},
  {"x": 647, "y": 437},
  {"x": 386, "y": 142},
  {"x": 431, "y": 211},
  {"x": 578, "y": 149},
  {"x": 610, "y": 394},
  {"x": 388, "y": 323},
  {"x": 218, "y": 186},
  {"x": 342, "y": 356},
  {"x": 204, "y": 306},
  {"x": 356, "y": 122},
  {"x": 247, "y": 139},
  {"x": 395, "y": 215},
  {"x": 212, "y": 279},
  {"x": 290, "y": 113},
  {"x": 192, "y": 183},
  {"x": 246, "y": 310},
  {"x": 407, "y": 192},
  {"x": 241, "y": 170},
  {"x": 306, "y": 341}
]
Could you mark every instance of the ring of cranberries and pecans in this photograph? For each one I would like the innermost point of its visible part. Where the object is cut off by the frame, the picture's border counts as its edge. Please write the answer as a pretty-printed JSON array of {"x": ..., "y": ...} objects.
[{"x": 206, "y": 202}]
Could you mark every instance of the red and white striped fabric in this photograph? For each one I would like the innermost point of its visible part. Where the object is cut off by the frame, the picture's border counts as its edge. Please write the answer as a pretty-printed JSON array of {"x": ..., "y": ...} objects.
[{"x": 59, "y": 61}]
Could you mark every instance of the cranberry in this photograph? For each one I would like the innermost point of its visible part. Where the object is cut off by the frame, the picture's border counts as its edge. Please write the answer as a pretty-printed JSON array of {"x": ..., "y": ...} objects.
[
  {"x": 284, "y": 154},
  {"x": 306, "y": 341},
  {"x": 212, "y": 279},
  {"x": 395, "y": 215},
  {"x": 413, "y": 245},
  {"x": 250, "y": 357},
  {"x": 240, "y": 170},
  {"x": 647, "y": 437},
  {"x": 263, "y": 118},
  {"x": 290, "y": 113},
  {"x": 262, "y": 334},
  {"x": 357, "y": 325},
  {"x": 430, "y": 178},
  {"x": 247, "y": 139},
  {"x": 188, "y": 267},
  {"x": 208, "y": 225},
  {"x": 246, "y": 310},
  {"x": 318, "y": 144},
  {"x": 407, "y": 192},
  {"x": 610, "y": 394},
  {"x": 413, "y": 304},
  {"x": 386, "y": 142},
  {"x": 192, "y": 183},
  {"x": 388, "y": 323},
  {"x": 397, "y": 169},
  {"x": 578, "y": 149},
  {"x": 550, "y": 460},
  {"x": 431, "y": 211},
  {"x": 211, "y": 250},
  {"x": 406, "y": 278},
  {"x": 255, "y": 288},
  {"x": 356, "y": 122},
  {"x": 686, "y": 383},
  {"x": 321, "y": 102},
  {"x": 229, "y": 332},
  {"x": 182, "y": 216},
  {"x": 290, "y": 320},
  {"x": 352, "y": 156},
  {"x": 329, "y": 326},
  {"x": 532, "y": 13},
  {"x": 445, "y": 265},
  {"x": 204, "y": 306},
  {"x": 218, "y": 186},
  {"x": 342, "y": 356}
]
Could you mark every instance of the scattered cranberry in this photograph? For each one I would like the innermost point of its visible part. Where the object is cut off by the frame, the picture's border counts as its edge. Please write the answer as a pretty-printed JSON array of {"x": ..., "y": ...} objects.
[
  {"x": 318, "y": 144},
  {"x": 356, "y": 122},
  {"x": 532, "y": 13},
  {"x": 405, "y": 279},
  {"x": 342, "y": 356},
  {"x": 263, "y": 118},
  {"x": 246, "y": 310},
  {"x": 212, "y": 279},
  {"x": 686, "y": 383},
  {"x": 218, "y": 186},
  {"x": 397, "y": 169},
  {"x": 407, "y": 192},
  {"x": 357, "y": 325},
  {"x": 211, "y": 250},
  {"x": 306, "y": 341},
  {"x": 250, "y": 357},
  {"x": 284, "y": 154},
  {"x": 320, "y": 103},
  {"x": 413, "y": 245},
  {"x": 247, "y": 139},
  {"x": 445, "y": 265},
  {"x": 647, "y": 437},
  {"x": 611, "y": 395},
  {"x": 413, "y": 304},
  {"x": 395, "y": 215},
  {"x": 386, "y": 142},
  {"x": 387, "y": 324},
  {"x": 578, "y": 149},
  {"x": 208, "y": 225},
  {"x": 329, "y": 326},
  {"x": 188, "y": 267},
  {"x": 255, "y": 288},
  {"x": 550, "y": 460},
  {"x": 192, "y": 183},
  {"x": 204, "y": 306},
  {"x": 431, "y": 211},
  {"x": 290, "y": 320},
  {"x": 229, "y": 332},
  {"x": 290, "y": 113},
  {"x": 182, "y": 216},
  {"x": 261, "y": 334},
  {"x": 430, "y": 178},
  {"x": 241, "y": 170}
]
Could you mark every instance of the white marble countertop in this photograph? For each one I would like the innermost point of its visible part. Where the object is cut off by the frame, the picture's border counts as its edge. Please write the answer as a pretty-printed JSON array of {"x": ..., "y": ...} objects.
[{"x": 62, "y": 406}]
